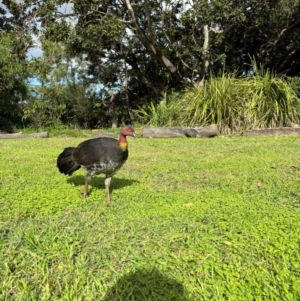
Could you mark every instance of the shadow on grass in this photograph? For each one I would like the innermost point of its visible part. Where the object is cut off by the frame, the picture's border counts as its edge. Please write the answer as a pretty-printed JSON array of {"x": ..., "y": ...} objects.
[
  {"x": 146, "y": 285},
  {"x": 98, "y": 182}
]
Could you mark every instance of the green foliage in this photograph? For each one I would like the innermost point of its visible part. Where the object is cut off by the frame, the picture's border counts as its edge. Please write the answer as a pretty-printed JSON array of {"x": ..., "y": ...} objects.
[
  {"x": 12, "y": 83},
  {"x": 142, "y": 56},
  {"x": 106, "y": 33},
  {"x": 65, "y": 95},
  {"x": 160, "y": 114},
  {"x": 219, "y": 102},
  {"x": 271, "y": 102},
  {"x": 294, "y": 82},
  {"x": 185, "y": 224},
  {"x": 235, "y": 104}
]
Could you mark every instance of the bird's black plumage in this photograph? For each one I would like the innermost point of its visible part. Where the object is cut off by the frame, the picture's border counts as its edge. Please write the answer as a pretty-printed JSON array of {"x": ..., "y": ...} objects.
[
  {"x": 65, "y": 163},
  {"x": 100, "y": 155}
]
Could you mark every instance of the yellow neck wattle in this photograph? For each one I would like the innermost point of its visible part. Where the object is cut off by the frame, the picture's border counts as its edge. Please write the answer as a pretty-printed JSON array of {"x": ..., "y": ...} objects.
[{"x": 123, "y": 144}]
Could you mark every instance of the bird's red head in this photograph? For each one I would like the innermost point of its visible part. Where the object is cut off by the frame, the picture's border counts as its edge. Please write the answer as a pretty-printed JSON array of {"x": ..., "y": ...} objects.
[{"x": 127, "y": 130}]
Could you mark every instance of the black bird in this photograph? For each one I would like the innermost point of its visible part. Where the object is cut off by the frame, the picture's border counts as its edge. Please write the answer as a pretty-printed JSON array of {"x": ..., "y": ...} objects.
[{"x": 100, "y": 155}]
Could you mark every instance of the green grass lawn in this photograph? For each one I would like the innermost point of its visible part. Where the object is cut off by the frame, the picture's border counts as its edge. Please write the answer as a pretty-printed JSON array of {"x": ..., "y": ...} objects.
[{"x": 191, "y": 220}]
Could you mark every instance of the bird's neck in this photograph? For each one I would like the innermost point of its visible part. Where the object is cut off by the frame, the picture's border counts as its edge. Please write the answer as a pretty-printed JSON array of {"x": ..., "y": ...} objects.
[{"x": 123, "y": 142}]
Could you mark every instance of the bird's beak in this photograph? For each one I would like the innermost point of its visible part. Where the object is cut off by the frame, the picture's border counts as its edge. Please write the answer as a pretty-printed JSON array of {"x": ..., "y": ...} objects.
[{"x": 133, "y": 134}]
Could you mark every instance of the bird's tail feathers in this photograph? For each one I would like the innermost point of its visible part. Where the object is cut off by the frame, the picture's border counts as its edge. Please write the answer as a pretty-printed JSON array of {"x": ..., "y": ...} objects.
[{"x": 66, "y": 163}]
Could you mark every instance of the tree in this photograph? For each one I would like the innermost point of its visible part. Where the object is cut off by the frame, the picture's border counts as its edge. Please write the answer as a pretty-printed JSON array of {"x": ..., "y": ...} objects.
[
  {"x": 12, "y": 83},
  {"x": 136, "y": 49},
  {"x": 267, "y": 31},
  {"x": 64, "y": 94},
  {"x": 15, "y": 40},
  {"x": 139, "y": 49}
]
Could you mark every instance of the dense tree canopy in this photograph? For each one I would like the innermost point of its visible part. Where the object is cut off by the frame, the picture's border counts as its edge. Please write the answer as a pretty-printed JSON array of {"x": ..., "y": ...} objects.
[
  {"x": 136, "y": 50},
  {"x": 14, "y": 43}
]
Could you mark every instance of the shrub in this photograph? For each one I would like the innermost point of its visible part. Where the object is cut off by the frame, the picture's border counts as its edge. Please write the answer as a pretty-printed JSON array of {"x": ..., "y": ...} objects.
[
  {"x": 235, "y": 104},
  {"x": 162, "y": 114}
]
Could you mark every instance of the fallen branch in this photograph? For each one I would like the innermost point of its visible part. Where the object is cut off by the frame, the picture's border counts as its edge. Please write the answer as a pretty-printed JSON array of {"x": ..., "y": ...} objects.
[
  {"x": 20, "y": 135},
  {"x": 173, "y": 132},
  {"x": 284, "y": 131}
]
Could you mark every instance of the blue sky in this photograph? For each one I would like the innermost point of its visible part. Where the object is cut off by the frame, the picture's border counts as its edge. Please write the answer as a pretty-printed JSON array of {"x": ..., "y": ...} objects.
[{"x": 36, "y": 51}]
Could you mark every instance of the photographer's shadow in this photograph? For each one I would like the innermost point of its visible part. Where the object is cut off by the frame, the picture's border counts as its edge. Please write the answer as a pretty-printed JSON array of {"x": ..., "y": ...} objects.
[{"x": 146, "y": 285}]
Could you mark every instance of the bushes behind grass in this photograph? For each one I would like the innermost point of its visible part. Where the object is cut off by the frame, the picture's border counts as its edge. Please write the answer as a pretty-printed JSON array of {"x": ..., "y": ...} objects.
[{"x": 235, "y": 104}]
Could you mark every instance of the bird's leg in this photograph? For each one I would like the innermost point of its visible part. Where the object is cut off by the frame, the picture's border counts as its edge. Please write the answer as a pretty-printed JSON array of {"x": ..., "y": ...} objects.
[
  {"x": 107, "y": 184},
  {"x": 86, "y": 185}
]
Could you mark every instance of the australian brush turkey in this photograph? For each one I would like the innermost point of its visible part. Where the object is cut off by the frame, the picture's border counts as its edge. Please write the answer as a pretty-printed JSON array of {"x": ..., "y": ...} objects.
[{"x": 100, "y": 155}]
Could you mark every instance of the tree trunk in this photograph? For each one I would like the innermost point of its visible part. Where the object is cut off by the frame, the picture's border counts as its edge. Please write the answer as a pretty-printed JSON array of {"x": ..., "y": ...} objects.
[
  {"x": 150, "y": 43},
  {"x": 114, "y": 122},
  {"x": 159, "y": 90},
  {"x": 204, "y": 61},
  {"x": 173, "y": 132},
  {"x": 130, "y": 114}
]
